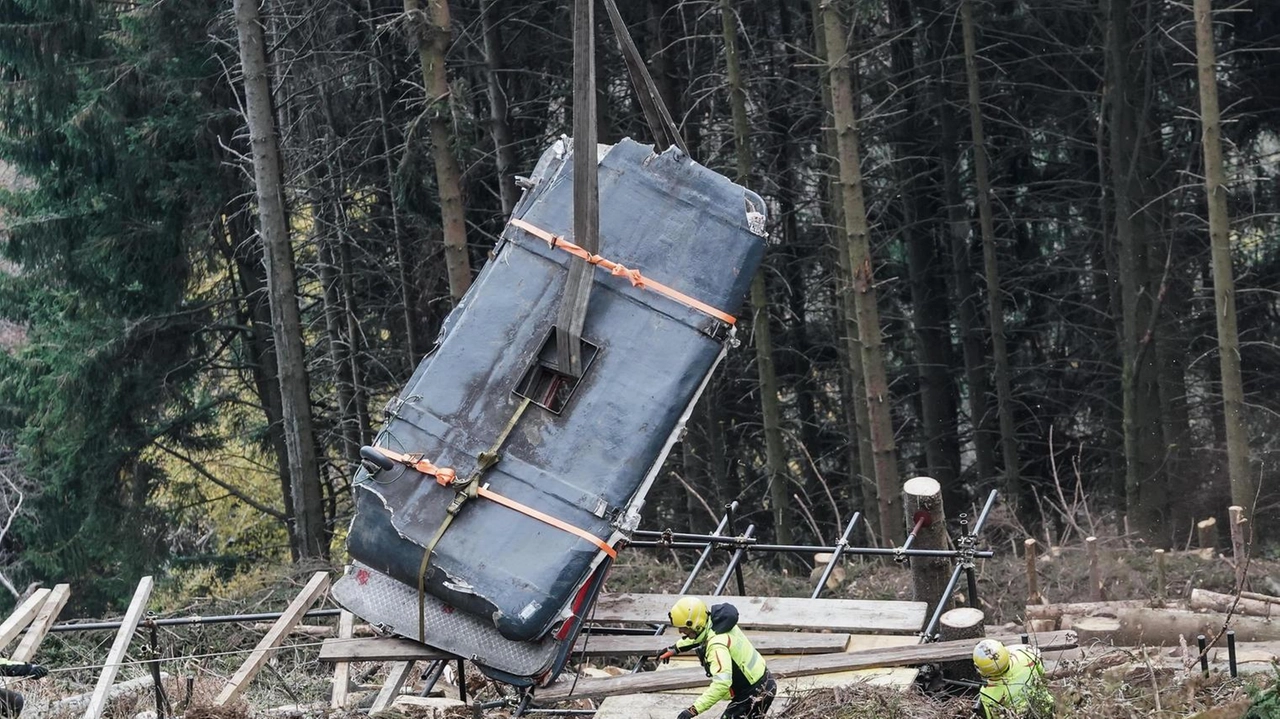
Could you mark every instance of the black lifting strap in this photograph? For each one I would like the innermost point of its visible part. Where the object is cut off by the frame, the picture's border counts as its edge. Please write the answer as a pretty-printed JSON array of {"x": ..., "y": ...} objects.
[
  {"x": 586, "y": 197},
  {"x": 572, "y": 313},
  {"x": 665, "y": 132}
]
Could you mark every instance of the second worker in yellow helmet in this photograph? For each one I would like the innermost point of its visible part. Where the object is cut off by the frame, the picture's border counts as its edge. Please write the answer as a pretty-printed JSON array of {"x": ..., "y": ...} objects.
[{"x": 738, "y": 672}]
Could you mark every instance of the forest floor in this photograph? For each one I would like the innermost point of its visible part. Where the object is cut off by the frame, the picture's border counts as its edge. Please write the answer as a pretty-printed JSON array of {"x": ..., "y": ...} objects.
[{"x": 1094, "y": 687}]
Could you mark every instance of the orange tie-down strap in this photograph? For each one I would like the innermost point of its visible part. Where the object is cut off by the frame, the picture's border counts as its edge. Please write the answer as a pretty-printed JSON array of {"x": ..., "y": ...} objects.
[
  {"x": 547, "y": 518},
  {"x": 445, "y": 476},
  {"x": 637, "y": 279}
]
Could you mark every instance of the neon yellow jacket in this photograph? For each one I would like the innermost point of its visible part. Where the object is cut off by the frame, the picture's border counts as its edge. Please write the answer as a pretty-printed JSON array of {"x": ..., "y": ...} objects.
[
  {"x": 1020, "y": 690},
  {"x": 728, "y": 657}
]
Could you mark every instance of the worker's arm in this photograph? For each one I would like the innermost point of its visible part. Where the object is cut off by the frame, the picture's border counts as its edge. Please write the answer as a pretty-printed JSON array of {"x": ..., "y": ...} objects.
[
  {"x": 9, "y": 668},
  {"x": 721, "y": 667}
]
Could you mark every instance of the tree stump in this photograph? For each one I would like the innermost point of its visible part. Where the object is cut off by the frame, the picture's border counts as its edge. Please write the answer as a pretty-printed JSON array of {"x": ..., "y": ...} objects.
[
  {"x": 1033, "y": 580},
  {"x": 929, "y": 575},
  {"x": 1207, "y": 533},
  {"x": 1095, "y": 570},
  {"x": 961, "y": 623},
  {"x": 1238, "y": 549}
]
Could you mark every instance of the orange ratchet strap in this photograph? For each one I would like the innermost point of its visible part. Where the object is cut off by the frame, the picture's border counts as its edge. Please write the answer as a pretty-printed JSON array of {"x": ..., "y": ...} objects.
[
  {"x": 618, "y": 270},
  {"x": 445, "y": 477},
  {"x": 542, "y": 517}
]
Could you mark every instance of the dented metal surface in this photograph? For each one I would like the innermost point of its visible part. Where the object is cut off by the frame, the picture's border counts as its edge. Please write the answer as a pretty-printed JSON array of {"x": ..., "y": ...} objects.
[{"x": 589, "y": 462}]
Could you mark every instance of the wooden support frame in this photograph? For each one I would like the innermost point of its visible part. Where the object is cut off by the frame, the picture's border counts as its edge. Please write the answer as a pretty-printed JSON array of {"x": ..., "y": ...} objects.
[
  {"x": 22, "y": 616},
  {"x": 49, "y": 610},
  {"x": 291, "y": 616},
  {"x": 400, "y": 672},
  {"x": 342, "y": 670},
  {"x": 128, "y": 625}
]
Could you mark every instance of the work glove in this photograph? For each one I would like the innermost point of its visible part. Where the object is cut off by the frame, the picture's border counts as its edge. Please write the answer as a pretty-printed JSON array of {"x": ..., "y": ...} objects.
[
  {"x": 665, "y": 656},
  {"x": 688, "y": 713},
  {"x": 37, "y": 671}
]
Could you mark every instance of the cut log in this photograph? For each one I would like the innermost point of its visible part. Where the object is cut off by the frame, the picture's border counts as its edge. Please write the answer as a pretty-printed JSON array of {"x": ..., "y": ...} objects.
[
  {"x": 1216, "y": 602},
  {"x": 801, "y": 666},
  {"x": 1261, "y": 597},
  {"x": 1096, "y": 630},
  {"x": 79, "y": 702},
  {"x": 929, "y": 575},
  {"x": 1085, "y": 609},
  {"x": 779, "y": 613},
  {"x": 960, "y": 624},
  {"x": 1163, "y": 627}
]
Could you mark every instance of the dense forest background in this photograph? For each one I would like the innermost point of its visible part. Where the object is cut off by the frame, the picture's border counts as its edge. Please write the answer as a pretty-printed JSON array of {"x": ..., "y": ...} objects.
[{"x": 193, "y": 346}]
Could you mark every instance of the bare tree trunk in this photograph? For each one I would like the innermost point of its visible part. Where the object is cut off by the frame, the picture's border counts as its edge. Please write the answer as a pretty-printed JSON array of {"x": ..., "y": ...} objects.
[
  {"x": 862, "y": 469},
  {"x": 771, "y": 414},
  {"x": 431, "y": 33},
  {"x": 965, "y": 294},
  {"x": 404, "y": 256},
  {"x": 995, "y": 295},
  {"x": 1144, "y": 496},
  {"x": 1224, "y": 299},
  {"x": 308, "y": 511},
  {"x": 937, "y": 399},
  {"x": 859, "y": 250},
  {"x": 503, "y": 145},
  {"x": 247, "y": 257}
]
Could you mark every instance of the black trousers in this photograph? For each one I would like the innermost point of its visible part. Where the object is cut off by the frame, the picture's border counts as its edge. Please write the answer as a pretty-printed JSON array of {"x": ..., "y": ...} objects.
[
  {"x": 756, "y": 704},
  {"x": 10, "y": 704}
]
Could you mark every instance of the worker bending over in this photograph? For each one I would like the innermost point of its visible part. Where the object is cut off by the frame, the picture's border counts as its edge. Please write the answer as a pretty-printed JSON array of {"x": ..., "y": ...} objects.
[
  {"x": 1014, "y": 681},
  {"x": 737, "y": 670}
]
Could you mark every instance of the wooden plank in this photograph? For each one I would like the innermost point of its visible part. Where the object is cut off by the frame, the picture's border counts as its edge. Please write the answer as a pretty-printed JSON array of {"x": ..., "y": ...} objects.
[
  {"x": 30, "y": 643},
  {"x": 784, "y": 668},
  {"x": 665, "y": 706},
  {"x": 782, "y": 613},
  {"x": 764, "y": 642},
  {"x": 342, "y": 670},
  {"x": 22, "y": 616},
  {"x": 115, "y": 657},
  {"x": 397, "y": 649},
  {"x": 391, "y": 689},
  {"x": 291, "y": 616},
  {"x": 379, "y": 649}
]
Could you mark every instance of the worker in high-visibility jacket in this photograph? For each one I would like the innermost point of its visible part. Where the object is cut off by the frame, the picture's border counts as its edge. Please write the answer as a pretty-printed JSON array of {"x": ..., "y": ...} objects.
[
  {"x": 1015, "y": 684},
  {"x": 738, "y": 672}
]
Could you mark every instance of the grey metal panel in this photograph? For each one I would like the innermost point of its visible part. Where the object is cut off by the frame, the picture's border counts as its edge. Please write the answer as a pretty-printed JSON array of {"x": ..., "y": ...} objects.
[{"x": 679, "y": 224}]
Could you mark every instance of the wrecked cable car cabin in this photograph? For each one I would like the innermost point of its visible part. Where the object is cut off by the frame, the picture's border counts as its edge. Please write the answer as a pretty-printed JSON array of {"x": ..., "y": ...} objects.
[{"x": 501, "y": 487}]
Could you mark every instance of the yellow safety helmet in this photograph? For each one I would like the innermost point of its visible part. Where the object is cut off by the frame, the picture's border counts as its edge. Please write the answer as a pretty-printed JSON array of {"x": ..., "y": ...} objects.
[
  {"x": 689, "y": 612},
  {"x": 991, "y": 658}
]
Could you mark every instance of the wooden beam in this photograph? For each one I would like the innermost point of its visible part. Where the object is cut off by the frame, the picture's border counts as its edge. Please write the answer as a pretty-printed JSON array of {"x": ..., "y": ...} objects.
[
  {"x": 779, "y": 613},
  {"x": 396, "y": 649},
  {"x": 342, "y": 670},
  {"x": 22, "y": 616},
  {"x": 400, "y": 672},
  {"x": 291, "y": 616},
  {"x": 783, "y": 668},
  {"x": 30, "y": 643},
  {"x": 115, "y": 657}
]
